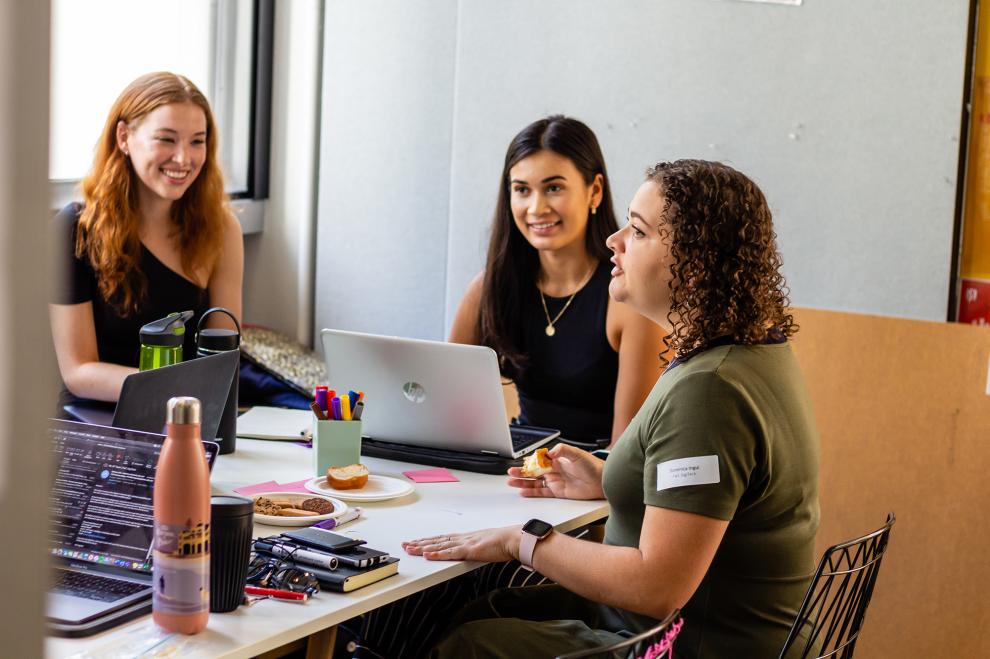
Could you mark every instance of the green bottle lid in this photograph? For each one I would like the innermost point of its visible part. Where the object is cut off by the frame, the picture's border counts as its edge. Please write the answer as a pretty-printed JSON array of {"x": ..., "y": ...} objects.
[{"x": 166, "y": 332}]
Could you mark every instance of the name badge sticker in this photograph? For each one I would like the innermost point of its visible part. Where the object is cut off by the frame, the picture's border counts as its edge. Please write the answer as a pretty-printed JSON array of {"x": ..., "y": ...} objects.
[{"x": 699, "y": 470}]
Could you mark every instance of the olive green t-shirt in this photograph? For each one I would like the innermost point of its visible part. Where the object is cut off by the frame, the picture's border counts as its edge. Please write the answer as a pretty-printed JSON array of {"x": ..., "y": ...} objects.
[{"x": 728, "y": 434}]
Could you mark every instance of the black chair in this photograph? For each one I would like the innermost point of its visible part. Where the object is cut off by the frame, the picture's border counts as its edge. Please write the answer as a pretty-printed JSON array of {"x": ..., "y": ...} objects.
[
  {"x": 654, "y": 643},
  {"x": 831, "y": 616}
]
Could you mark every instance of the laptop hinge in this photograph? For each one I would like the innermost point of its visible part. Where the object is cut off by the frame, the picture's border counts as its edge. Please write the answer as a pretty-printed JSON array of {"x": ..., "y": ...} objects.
[{"x": 487, "y": 452}]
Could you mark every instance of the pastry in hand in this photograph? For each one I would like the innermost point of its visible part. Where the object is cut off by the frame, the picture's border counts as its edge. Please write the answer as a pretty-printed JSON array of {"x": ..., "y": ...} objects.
[
  {"x": 537, "y": 464},
  {"x": 351, "y": 477}
]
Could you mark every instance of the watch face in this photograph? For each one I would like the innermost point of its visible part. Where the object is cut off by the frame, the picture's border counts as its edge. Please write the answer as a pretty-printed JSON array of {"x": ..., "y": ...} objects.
[{"x": 537, "y": 527}]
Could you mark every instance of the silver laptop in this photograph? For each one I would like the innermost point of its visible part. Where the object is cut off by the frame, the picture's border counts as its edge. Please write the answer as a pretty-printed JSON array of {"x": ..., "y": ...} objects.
[
  {"x": 428, "y": 393},
  {"x": 101, "y": 521}
]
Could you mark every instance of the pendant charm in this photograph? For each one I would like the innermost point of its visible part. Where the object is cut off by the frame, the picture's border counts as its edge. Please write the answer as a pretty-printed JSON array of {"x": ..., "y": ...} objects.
[{"x": 550, "y": 330}]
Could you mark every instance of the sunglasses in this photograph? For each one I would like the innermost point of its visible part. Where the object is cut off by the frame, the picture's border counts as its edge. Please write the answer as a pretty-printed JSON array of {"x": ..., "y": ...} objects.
[{"x": 272, "y": 572}]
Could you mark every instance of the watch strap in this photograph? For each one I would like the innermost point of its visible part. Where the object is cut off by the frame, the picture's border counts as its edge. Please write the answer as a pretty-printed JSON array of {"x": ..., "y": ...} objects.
[{"x": 527, "y": 547}]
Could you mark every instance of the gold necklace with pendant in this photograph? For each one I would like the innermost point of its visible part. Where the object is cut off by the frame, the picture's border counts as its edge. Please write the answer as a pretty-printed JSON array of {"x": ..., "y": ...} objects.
[{"x": 550, "y": 329}]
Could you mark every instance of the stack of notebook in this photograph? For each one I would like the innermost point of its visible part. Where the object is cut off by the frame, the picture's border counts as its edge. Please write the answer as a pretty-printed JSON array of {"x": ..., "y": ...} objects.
[{"x": 340, "y": 563}]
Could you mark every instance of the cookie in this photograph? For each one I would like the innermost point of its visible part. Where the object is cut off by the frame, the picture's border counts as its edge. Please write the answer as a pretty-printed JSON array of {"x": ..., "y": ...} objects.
[
  {"x": 317, "y": 505},
  {"x": 265, "y": 506}
]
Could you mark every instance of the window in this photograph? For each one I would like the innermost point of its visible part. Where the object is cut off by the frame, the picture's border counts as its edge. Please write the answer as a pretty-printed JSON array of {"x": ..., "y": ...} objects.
[{"x": 223, "y": 46}]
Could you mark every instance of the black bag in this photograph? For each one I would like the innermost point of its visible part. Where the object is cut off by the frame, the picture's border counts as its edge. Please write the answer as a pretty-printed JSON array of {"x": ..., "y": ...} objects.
[{"x": 438, "y": 457}]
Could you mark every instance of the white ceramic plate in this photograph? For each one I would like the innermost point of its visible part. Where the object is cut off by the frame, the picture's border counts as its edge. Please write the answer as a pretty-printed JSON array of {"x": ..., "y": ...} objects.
[
  {"x": 378, "y": 488},
  {"x": 339, "y": 507}
]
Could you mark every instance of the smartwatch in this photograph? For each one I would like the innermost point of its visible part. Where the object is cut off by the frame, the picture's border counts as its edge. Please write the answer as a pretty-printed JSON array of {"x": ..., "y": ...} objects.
[{"x": 532, "y": 532}]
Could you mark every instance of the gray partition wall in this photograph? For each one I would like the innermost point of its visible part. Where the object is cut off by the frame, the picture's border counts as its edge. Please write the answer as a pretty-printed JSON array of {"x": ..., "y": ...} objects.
[{"x": 847, "y": 113}]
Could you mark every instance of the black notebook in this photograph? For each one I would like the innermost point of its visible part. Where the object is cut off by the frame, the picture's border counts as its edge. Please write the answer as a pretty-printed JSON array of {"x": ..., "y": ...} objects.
[{"x": 347, "y": 578}]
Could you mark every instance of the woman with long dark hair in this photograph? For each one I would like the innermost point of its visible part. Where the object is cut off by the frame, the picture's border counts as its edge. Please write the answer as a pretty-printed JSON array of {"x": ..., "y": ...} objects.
[
  {"x": 581, "y": 362},
  {"x": 154, "y": 234},
  {"x": 713, "y": 487}
]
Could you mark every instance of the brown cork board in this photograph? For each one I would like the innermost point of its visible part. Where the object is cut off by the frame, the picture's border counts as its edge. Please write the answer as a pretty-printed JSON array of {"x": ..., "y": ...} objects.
[{"x": 904, "y": 419}]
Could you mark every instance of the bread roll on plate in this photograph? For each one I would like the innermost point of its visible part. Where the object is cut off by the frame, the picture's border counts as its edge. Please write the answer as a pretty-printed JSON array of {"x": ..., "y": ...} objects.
[{"x": 351, "y": 477}]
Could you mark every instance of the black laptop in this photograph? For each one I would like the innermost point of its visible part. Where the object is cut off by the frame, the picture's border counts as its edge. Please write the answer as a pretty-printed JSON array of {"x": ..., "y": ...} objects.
[
  {"x": 101, "y": 525},
  {"x": 144, "y": 396}
]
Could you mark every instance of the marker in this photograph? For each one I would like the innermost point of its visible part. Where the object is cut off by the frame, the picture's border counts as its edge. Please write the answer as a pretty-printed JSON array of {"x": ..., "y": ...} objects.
[
  {"x": 358, "y": 411},
  {"x": 360, "y": 395},
  {"x": 345, "y": 408},
  {"x": 353, "y": 396},
  {"x": 336, "y": 408},
  {"x": 320, "y": 394},
  {"x": 277, "y": 593},
  {"x": 349, "y": 515},
  {"x": 318, "y": 411},
  {"x": 319, "y": 559}
]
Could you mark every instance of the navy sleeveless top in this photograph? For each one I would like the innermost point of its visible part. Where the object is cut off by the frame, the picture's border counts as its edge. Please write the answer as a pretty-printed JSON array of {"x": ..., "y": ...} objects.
[{"x": 569, "y": 381}]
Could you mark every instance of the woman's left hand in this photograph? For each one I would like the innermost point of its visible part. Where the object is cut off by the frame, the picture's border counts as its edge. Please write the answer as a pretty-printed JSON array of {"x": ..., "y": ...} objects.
[{"x": 488, "y": 545}]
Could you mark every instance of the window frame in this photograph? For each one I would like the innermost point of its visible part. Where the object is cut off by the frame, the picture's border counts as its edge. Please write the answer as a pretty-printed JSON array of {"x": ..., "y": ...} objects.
[{"x": 248, "y": 202}]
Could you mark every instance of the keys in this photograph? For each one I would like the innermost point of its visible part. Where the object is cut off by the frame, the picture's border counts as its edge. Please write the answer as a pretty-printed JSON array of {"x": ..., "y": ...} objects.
[{"x": 93, "y": 586}]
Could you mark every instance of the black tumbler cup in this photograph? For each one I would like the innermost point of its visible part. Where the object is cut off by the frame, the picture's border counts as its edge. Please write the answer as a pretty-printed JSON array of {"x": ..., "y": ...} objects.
[{"x": 231, "y": 527}]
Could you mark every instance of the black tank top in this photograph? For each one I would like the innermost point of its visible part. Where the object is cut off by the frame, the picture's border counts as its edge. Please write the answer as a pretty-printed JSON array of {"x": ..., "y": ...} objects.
[{"x": 569, "y": 382}]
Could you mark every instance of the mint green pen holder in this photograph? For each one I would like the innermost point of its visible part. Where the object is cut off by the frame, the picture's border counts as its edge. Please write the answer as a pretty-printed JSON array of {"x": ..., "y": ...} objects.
[{"x": 335, "y": 444}]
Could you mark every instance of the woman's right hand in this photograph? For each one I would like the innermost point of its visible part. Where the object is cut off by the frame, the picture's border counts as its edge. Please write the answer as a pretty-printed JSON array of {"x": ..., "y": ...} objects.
[{"x": 576, "y": 475}]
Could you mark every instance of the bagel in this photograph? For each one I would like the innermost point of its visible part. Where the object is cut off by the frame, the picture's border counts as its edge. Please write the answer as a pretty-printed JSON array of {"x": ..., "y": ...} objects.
[{"x": 351, "y": 477}]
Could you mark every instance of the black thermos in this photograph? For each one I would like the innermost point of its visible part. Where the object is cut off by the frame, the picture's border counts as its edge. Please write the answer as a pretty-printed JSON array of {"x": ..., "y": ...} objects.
[{"x": 209, "y": 342}]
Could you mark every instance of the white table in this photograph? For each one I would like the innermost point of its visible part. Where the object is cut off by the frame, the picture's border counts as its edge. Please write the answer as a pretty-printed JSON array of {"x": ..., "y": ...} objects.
[{"x": 477, "y": 501}]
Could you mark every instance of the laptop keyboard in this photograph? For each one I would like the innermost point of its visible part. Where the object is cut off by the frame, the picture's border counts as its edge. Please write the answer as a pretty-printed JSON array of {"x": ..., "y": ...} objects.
[
  {"x": 521, "y": 439},
  {"x": 93, "y": 586}
]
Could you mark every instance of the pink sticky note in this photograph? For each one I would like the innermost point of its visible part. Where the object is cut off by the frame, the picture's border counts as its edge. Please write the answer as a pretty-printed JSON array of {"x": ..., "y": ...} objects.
[
  {"x": 294, "y": 486},
  {"x": 269, "y": 486},
  {"x": 437, "y": 475}
]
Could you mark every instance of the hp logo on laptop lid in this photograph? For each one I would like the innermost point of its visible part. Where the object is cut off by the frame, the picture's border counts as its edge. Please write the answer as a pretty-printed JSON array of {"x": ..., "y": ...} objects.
[{"x": 414, "y": 392}]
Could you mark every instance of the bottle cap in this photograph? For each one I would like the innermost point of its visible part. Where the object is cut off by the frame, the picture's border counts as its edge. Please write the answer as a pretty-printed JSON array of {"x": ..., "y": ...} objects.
[
  {"x": 217, "y": 339},
  {"x": 167, "y": 332},
  {"x": 182, "y": 410}
]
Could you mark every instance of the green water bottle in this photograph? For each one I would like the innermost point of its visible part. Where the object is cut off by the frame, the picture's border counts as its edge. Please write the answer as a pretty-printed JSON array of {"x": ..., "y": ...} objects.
[{"x": 161, "y": 341}]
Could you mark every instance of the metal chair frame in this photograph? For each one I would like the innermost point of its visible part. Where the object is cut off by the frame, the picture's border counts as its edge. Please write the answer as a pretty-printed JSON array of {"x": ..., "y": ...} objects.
[
  {"x": 641, "y": 644},
  {"x": 835, "y": 605}
]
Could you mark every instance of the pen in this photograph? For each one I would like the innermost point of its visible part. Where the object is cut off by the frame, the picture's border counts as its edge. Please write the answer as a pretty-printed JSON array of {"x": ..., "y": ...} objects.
[
  {"x": 336, "y": 409},
  {"x": 345, "y": 408},
  {"x": 349, "y": 515},
  {"x": 358, "y": 411},
  {"x": 277, "y": 593},
  {"x": 318, "y": 411}
]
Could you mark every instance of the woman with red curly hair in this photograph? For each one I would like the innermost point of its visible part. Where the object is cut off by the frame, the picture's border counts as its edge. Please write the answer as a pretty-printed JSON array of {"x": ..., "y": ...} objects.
[
  {"x": 713, "y": 487},
  {"x": 154, "y": 234}
]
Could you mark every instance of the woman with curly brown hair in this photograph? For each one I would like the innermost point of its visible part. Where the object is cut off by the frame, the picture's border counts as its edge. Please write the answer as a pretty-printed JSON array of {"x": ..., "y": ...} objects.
[
  {"x": 155, "y": 234},
  {"x": 714, "y": 485}
]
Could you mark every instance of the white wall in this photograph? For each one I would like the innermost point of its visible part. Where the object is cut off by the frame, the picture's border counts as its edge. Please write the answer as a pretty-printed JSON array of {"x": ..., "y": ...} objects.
[
  {"x": 278, "y": 262},
  {"x": 385, "y": 154},
  {"x": 846, "y": 113},
  {"x": 27, "y": 367}
]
